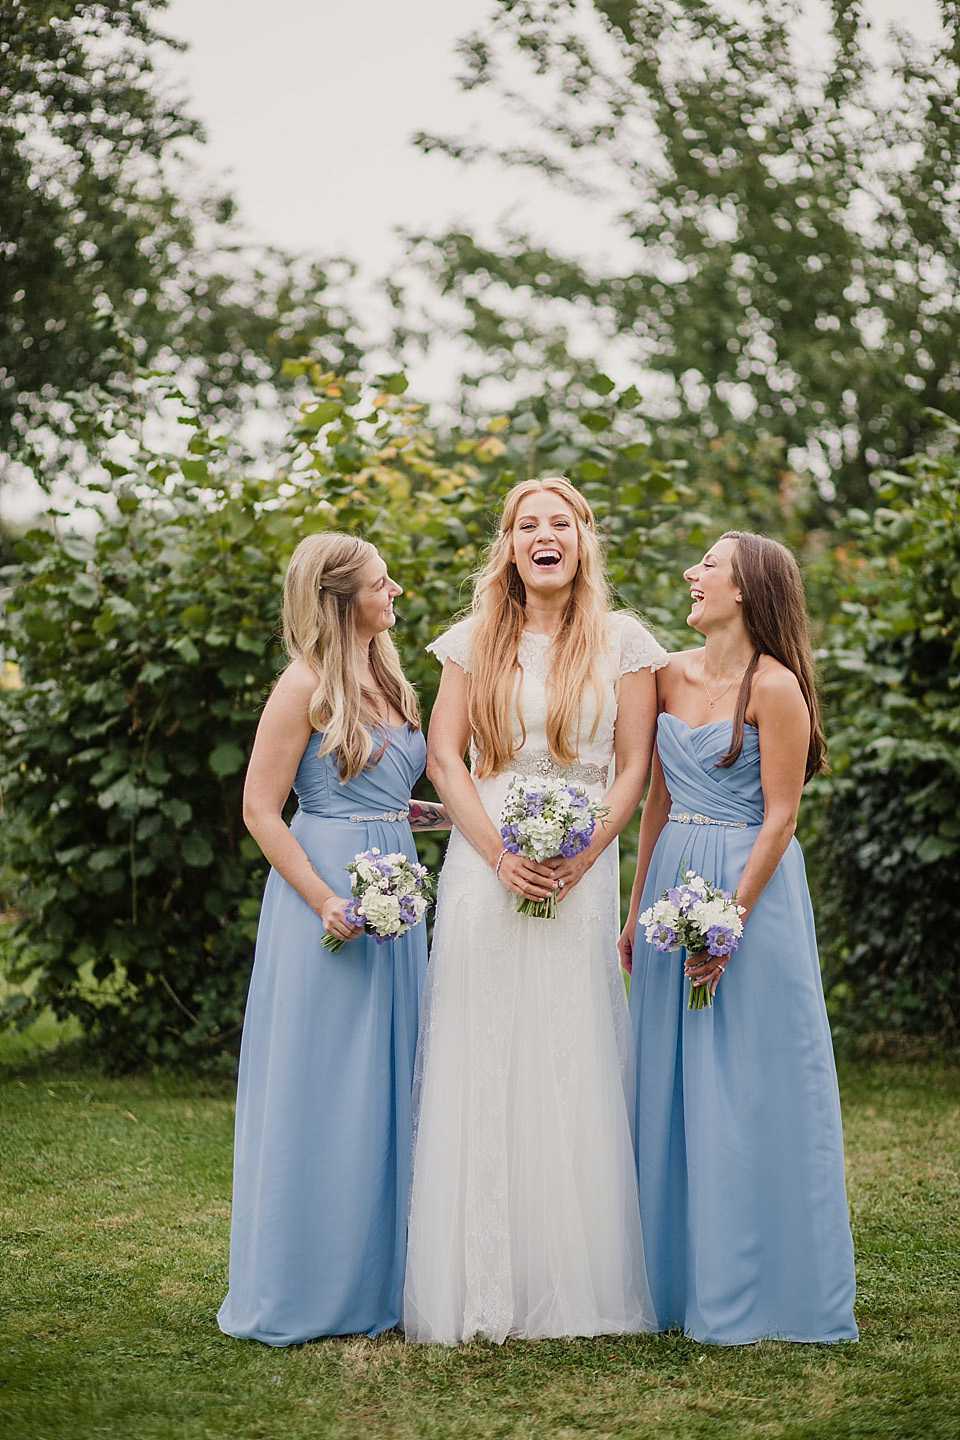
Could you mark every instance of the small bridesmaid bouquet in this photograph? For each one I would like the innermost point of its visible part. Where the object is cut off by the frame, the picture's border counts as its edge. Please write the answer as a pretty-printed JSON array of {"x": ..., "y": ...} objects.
[
  {"x": 697, "y": 916},
  {"x": 391, "y": 894},
  {"x": 539, "y": 821}
]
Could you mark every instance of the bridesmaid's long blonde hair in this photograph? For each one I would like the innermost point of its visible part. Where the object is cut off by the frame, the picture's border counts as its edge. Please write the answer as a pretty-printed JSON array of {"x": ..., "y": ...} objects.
[
  {"x": 498, "y": 605},
  {"x": 320, "y": 627}
]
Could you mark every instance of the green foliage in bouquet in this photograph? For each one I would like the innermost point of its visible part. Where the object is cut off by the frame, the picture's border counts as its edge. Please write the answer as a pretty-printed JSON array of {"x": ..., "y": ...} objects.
[{"x": 888, "y": 835}]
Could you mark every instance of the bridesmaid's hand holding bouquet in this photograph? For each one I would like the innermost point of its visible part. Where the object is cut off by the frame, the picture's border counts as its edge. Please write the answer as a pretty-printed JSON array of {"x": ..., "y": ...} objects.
[
  {"x": 698, "y": 916},
  {"x": 391, "y": 893}
]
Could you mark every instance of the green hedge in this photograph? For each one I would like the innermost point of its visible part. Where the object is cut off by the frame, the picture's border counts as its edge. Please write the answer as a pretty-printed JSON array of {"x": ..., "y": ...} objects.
[
  {"x": 887, "y": 852},
  {"x": 147, "y": 648}
]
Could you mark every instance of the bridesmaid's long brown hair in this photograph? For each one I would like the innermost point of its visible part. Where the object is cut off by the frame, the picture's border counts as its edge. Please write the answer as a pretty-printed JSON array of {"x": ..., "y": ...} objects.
[{"x": 775, "y": 615}]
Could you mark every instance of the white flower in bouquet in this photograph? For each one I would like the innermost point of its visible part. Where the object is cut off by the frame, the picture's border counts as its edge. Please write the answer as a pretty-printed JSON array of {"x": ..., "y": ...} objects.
[
  {"x": 540, "y": 821},
  {"x": 391, "y": 893},
  {"x": 381, "y": 912},
  {"x": 696, "y": 916}
]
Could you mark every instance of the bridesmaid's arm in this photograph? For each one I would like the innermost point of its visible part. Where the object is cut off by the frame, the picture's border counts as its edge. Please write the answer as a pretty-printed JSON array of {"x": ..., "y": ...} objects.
[
  {"x": 655, "y": 811},
  {"x": 281, "y": 739},
  {"x": 783, "y": 726},
  {"x": 632, "y": 748},
  {"x": 447, "y": 741}
]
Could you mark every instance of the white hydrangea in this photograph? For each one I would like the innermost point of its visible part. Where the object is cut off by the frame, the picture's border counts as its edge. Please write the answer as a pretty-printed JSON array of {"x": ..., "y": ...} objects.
[
  {"x": 541, "y": 836},
  {"x": 381, "y": 911}
]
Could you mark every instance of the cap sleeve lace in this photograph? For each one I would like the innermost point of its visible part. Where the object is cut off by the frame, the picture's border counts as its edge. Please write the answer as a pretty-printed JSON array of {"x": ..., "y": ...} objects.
[
  {"x": 634, "y": 648},
  {"x": 454, "y": 644}
]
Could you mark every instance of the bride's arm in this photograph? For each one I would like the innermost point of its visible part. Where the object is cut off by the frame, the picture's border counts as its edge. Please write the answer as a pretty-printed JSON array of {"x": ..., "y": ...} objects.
[
  {"x": 632, "y": 749},
  {"x": 447, "y": 741}
]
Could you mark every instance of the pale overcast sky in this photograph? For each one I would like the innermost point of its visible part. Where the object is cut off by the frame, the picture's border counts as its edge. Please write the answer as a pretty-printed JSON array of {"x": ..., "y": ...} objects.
[{"x": 310, "y": 105}]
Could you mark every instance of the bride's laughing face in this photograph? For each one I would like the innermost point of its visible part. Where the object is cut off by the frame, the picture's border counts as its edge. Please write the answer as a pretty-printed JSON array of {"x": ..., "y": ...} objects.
[{"x": 546, "y": 546}]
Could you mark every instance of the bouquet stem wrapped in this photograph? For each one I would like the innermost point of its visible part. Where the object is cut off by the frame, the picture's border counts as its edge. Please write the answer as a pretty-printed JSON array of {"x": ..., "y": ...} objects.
[
  {"x": 391, "y": 893},
  {"x": 697, "y": 916}
]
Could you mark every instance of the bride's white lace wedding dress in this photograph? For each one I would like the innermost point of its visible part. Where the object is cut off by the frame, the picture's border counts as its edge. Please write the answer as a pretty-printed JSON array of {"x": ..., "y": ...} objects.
[{"x": 524, "y": 1218}]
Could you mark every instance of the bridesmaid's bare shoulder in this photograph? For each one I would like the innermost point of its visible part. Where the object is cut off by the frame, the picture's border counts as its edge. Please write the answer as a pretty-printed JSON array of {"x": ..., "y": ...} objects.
[{"x": 673, "y": 677}]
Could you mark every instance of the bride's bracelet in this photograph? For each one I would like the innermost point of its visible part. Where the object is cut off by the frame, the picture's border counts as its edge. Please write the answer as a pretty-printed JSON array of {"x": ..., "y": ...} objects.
[{"x": 496, "y": 871}]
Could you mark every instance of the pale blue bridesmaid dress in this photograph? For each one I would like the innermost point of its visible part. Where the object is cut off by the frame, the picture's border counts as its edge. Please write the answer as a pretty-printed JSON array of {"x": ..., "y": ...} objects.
[
  {"x": 322, "y": 1157},
  {"x": 739, "y": 1145}
]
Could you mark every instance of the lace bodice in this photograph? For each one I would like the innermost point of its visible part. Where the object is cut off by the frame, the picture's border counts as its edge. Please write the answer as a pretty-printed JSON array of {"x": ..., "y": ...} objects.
[{"x": 631, "y": 647}]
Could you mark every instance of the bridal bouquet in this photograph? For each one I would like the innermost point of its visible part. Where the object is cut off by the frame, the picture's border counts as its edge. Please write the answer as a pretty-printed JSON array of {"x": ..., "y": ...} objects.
[
  {"x": 539, "y": 821},
  {"x": 390, "y": 894},
  {"x": 700, "y": 917}
]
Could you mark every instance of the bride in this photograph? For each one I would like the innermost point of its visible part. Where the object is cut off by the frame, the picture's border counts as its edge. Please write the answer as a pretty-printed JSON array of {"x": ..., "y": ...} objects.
[{"x": 524, "y": 1218}]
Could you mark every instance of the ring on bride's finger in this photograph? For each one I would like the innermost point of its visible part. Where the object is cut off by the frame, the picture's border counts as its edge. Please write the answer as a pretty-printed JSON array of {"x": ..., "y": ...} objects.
[{"x": 560, "y": 884}]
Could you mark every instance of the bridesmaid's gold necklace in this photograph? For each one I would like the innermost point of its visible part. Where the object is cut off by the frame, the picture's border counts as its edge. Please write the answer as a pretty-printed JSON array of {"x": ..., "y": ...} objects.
[{"x": 714, "y": 698}]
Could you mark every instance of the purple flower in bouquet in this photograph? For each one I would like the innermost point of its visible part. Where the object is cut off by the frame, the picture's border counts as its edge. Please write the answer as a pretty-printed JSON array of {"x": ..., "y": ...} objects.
[
  {"x": 721, "y": 940},
  {"x": 390, "y": 894},
  {"x": 697, "y": 916},
  {"x": 663, "y": 937},
  {"x": 577, "y": 840},
  {"x": 541, "y": 821},
  {"x": 408, "y": 910}
]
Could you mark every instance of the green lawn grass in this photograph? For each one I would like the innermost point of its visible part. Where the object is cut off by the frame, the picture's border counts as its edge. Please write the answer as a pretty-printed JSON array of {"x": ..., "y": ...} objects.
[{"x": 115, "y": 1213}]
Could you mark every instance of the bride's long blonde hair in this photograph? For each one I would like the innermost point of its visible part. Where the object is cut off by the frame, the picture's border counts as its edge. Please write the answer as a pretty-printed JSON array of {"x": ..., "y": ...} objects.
[
  {"x": 320, "y": 627},
  {"x": 498, "y": 604}
]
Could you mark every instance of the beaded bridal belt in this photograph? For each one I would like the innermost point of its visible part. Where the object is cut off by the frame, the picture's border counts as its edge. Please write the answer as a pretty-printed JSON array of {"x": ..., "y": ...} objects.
[
  {"x": 682, "y": 818},
  {"x": 544, "y": 767},
  {"x": 384, "y": 815}
]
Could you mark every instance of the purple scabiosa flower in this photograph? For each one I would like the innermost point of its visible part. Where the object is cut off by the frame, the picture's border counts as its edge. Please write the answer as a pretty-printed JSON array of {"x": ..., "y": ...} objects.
[
  {"x": 683, "y": 897},
  {"x": 576, "y": 841},
  {"x": 351, "y": 913},
  {"x": 408, "y": 911},
  {"x": 663, "y": 938},
  {"x": 720, "y": 940}
]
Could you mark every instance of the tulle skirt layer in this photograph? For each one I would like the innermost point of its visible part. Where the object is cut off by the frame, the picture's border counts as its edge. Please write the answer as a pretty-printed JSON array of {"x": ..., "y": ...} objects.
[{"x": 524, "y": 1218}]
